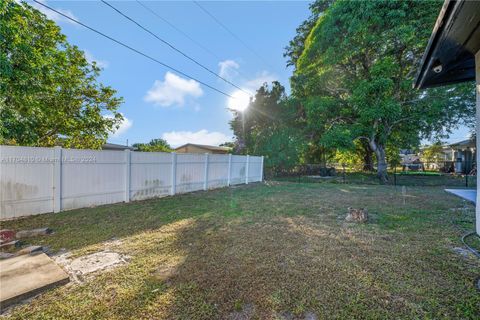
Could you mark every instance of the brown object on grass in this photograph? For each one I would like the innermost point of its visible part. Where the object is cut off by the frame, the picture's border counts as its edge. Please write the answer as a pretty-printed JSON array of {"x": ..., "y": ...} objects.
[{"x": 357, "y": 215}]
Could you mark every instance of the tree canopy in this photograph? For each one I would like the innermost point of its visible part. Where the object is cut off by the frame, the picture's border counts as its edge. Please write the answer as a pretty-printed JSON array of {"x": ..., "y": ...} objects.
[
  {"x": 48, "y": 89},
  {"x": 155, "y": 145},
  {"x": 352, "y": 97},
  {"x": 355, "y": 77},
  {"x": 268, "y": 127}
]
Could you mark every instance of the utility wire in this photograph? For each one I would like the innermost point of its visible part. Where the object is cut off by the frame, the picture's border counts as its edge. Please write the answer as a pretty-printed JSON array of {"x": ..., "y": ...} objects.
[
  {"x": 179, "y": 30},
  {"x": 172, "y": 46},
  {"x": 231, "y": 33},
  {"x": 133, "y": 49},
  {"x": 205, "y": 48}
]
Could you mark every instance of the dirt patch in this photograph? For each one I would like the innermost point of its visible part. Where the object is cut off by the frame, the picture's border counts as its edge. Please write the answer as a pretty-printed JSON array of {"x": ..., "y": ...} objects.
[{"x": 79, "y": 267}]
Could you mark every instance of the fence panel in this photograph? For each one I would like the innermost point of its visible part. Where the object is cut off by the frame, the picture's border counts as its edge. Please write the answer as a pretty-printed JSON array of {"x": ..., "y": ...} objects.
[
  {"x": 238, "y": 169},
  {"x": 40, "y": 180},
  {"x": 255, "y": 165},
  {"x": 190, "y": 172},
  {"x": 26, "y": 180},
  {"x": 217, "y": 171},
  {"x": 92, "y": 177},
  {"x": 150, "y": 175}
]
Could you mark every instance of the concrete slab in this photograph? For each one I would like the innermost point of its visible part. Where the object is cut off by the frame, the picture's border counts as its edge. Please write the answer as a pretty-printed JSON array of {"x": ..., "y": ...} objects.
[
  {"x": 467, "y": 194},
  {"x": 25, "y": 276}
]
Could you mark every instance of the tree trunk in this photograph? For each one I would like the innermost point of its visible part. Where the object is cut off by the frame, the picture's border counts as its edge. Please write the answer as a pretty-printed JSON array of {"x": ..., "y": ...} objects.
[
  {"x": 367, "y": 157},
  {"x": 381, "y": 160}
]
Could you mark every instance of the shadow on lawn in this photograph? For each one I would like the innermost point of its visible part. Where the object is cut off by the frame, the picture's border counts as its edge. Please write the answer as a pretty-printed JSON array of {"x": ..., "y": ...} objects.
[
  {"x": 297, "y": 266},
  {"x": 80, "y": 228},
  {"x": 272, "y": 252}
]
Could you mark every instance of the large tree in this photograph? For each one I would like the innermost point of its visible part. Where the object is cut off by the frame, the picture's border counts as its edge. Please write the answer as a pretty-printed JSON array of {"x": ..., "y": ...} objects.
[
  {"x": 355, "y": 77},
  {"x": 48, "y": 90},
  {"x": 268, "y": 127}
]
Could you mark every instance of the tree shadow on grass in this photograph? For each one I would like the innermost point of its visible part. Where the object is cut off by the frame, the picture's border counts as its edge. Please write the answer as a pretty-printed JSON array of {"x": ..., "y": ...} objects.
[{"x": 188, "y": 261}]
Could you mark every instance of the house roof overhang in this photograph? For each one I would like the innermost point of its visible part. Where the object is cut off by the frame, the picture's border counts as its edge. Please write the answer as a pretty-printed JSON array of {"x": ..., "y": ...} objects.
[{"x": 450, "y": 54}]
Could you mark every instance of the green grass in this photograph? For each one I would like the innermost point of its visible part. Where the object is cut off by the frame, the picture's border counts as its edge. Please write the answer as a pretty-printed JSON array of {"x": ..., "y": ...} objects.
[
  {"x": 267, "y": 251},
  {"x": 419, "y": 173},
  {"x": 400, "y": 178}
]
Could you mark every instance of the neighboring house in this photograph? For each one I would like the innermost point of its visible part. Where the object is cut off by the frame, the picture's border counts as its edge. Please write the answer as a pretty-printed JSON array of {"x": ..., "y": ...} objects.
[
  {"x": 462, "y": 154},
  {"x": 201, "y": 148},
  {"x": 116, "y": 147},
  {"x": 452, "y": 56}
]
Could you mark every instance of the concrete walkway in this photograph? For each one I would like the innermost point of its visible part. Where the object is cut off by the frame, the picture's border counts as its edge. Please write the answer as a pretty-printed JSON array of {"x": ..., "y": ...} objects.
[{"x": 467, "y": 194}]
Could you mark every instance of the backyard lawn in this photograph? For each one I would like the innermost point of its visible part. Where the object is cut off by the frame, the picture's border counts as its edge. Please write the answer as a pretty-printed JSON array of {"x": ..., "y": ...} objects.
[{"x": 279, "y": 250}]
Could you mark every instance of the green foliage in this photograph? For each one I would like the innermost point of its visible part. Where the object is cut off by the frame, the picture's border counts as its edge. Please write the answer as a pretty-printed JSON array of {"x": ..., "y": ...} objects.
[
  {"x": 267, "y": 127},
  {"x": 296, "y": 46},
  {"x": 433, "y": 152},
  {"x": 155, "y": 145},
  {"x": 355, "y": 78},
  {"x": 351, "y": 158},
  {"x": 49, "y": 91}
]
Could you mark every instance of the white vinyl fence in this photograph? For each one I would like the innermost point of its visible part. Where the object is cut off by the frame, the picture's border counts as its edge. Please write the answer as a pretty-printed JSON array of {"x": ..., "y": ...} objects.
[{"x": 40, "y": 180}]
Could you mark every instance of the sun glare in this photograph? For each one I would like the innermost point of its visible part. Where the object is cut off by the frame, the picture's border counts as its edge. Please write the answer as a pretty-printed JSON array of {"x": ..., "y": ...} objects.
[{"x": 239, "y": 101}]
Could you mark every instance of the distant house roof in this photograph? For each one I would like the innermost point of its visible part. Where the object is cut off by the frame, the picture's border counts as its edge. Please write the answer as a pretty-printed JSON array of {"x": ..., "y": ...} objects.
[
  {"x": 464, "y": 143},
  {"x": 204, "y": 146},
  {"x": 114, "y": 146},
  {"x": 450, "y": 54}
]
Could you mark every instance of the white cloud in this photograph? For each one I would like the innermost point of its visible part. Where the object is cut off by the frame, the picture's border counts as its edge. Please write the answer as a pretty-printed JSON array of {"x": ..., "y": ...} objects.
[
  {"x": 100, "y": 63},
  {"x": 228, "y": 68},
  {"x": 173, "y": 91},
  {"x": 53, "y": 15},
  {"x": 178, "y": 138},
  {"x": 124, "y": 126}
]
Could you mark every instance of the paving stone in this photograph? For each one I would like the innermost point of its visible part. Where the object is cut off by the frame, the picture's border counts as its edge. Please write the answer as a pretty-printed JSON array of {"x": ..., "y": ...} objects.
[
  {"x": 25, "y": 276},
  {"x": 30, "y": 250},
  {"x": 6, "y": 255},
  {"x": 11, "y": 244},
  {"x": 33, "y": 233}
]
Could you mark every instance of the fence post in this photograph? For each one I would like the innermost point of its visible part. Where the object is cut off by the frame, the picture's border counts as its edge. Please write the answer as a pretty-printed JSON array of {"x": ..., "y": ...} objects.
[
  {"x": 127, "y": 174},
  {"x": 57, "y": 180},
  {"x": 261, "y": 170},
  {"x": 229, "y": 176},
  {"x": 246, "y": 169},
  {"x": 205, "y": 180},
  {"x": 174, "y": 174},
  {"x": 395, "y": 176}
]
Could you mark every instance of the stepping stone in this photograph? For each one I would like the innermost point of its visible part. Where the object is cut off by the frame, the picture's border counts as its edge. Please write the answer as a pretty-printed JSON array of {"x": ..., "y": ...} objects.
[
  {"x": 33, "y": 233},
  {"x": 30, "y": 250},
  {"x": 25, "y": 276},
  {"x": 11, "y": 244}
]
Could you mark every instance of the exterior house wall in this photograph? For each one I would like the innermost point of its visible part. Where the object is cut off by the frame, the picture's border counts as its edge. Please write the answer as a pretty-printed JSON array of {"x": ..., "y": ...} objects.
[
  {"x": 477, "y": 130},
  {"x": 197, "y": 149}
]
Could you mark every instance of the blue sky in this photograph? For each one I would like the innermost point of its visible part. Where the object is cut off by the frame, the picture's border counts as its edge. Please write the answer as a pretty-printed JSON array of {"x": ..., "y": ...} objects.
[{"x": 162, "y": 103}]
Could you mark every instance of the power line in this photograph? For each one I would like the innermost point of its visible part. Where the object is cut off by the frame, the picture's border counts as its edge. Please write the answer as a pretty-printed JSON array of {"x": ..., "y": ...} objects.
[
  {"x": 132, "y": 49},
  {"x": 232, "y": 33},
  {"x": 172, "y": 46},
  {"x": 205, "y": 48},
  {"x": 179, "y": 30}
]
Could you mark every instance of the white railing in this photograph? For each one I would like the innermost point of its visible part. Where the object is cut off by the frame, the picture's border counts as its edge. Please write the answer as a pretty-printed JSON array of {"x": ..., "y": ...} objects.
[{"x": 41, "y": 180}]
